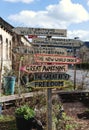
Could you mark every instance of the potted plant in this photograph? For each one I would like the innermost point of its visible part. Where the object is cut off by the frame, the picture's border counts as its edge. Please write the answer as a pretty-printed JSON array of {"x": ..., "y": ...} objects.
[
  {"x": 25, "y": 111},
  {"x": 25, "y": 118}
]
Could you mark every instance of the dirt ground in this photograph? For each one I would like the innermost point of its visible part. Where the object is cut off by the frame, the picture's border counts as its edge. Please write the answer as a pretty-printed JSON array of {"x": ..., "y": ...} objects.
[{"x": 77, "y": 109}]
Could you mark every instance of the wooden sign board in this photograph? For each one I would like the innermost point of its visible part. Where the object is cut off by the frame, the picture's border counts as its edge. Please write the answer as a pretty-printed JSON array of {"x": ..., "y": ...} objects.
[
  {"x": 51, "y": 76},
  {"x": 23, "y": 50},
  {"x": 44, "y": 68},
  {"x": 47, "y": 84},
  {"x": 57, "y": 42},
  {"x": 39, "y": 50},
  {"x": 43, "y": 58},
  {"x": 50, "y": 50},
  {"x": 40, "y": 31}
]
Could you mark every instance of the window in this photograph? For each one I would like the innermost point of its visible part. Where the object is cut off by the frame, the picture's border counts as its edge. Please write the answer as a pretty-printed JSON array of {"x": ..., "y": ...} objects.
[
  {"x": 7, "y": 48},
  {"x": 10, "y": 48}
]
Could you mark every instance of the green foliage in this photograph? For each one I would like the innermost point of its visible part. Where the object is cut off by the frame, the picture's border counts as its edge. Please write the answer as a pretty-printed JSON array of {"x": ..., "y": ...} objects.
[
  {"x": 69, "y": 127},
  {"x": 4, "y": 118},
  {"x": 25, "y": 111},
  {"x": 68, "y": 85},
  {"x": 7, "y": 122},
  {"x": 68, "y": 121},
  {"x": 9, "y": 72}
]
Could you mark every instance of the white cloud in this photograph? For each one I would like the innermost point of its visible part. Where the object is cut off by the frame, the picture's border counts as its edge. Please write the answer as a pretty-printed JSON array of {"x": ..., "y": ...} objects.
[
  {"x": 60, "y": 15},
  {"x": 88, "y": 2},
  {"x": 82, "y": 34},
  {"x": 69, "y": 12},
  {"x": 23, "y": 1}
]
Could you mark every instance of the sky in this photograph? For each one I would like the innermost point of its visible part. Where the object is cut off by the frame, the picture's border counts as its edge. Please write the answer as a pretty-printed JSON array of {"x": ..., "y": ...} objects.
[{"x": 72, "y": 15}]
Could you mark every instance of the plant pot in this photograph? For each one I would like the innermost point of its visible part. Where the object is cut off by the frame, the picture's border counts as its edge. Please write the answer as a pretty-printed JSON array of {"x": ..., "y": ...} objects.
[
  {"x": 23, "y": 124},
  {"x": 0, "y": 109},
  {"x": 9, "y": 84}
]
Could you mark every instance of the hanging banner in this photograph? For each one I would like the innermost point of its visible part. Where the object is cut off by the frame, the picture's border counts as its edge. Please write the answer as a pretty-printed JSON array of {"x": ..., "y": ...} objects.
[
  {"x": 44, "y": 68},
  {"x": 48, "y": 58}
]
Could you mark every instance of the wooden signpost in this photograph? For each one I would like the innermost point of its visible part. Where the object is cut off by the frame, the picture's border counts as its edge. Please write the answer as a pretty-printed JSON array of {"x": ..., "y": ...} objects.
[
  {"x": 58, "y": 63},
  {"x": 51, "y": 76},
  {"x": 50, "y": 50},
  {"x": 40, "y": 31},
  {"x": 47, "y": 84},
  {"x": 40, "y": 50},
  {"x": 49, "y": 80},
  {"x": 57, "y": 42},
  {"x": 56, "y": 59},
  {"x": 44, "y": 68}
]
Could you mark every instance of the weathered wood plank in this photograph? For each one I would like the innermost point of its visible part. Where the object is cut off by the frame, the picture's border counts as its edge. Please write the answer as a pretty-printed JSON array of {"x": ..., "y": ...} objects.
[{"x": 15, "y": 97}]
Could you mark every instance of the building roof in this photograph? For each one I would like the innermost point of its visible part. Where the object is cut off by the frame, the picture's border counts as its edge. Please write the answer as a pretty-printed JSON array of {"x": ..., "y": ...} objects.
[
  {"x": 86, "y": 43},
  {"x": 5, "y": 25}
]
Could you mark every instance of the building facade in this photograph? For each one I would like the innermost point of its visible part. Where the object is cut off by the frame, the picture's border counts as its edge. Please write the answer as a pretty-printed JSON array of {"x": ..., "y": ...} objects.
[{"x": 9, "y": 40}]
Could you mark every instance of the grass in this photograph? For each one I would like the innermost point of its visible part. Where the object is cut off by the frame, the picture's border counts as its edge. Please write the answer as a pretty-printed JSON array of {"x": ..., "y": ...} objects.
[{"x": 7, "y": 123}]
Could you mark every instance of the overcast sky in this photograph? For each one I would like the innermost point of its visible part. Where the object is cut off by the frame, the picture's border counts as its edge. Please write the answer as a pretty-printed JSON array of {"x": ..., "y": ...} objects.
[{"x": 72, "y": 15}]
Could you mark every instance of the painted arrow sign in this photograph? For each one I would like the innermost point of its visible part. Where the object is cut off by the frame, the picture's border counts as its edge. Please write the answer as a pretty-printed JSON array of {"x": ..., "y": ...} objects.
[
  {"x": 47, "y": 84},
  {"x": 44, "y": 68},
  {"x": 51, "y": 76},
  {"x": 49, "y": 58}
]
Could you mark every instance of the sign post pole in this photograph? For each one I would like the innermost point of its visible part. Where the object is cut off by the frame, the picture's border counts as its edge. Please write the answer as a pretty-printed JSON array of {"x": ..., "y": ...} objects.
[
  {"x": 49, "y": 108},
  {"x": 74, "y": 77},
  {"x": 74, "y": 71}
]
